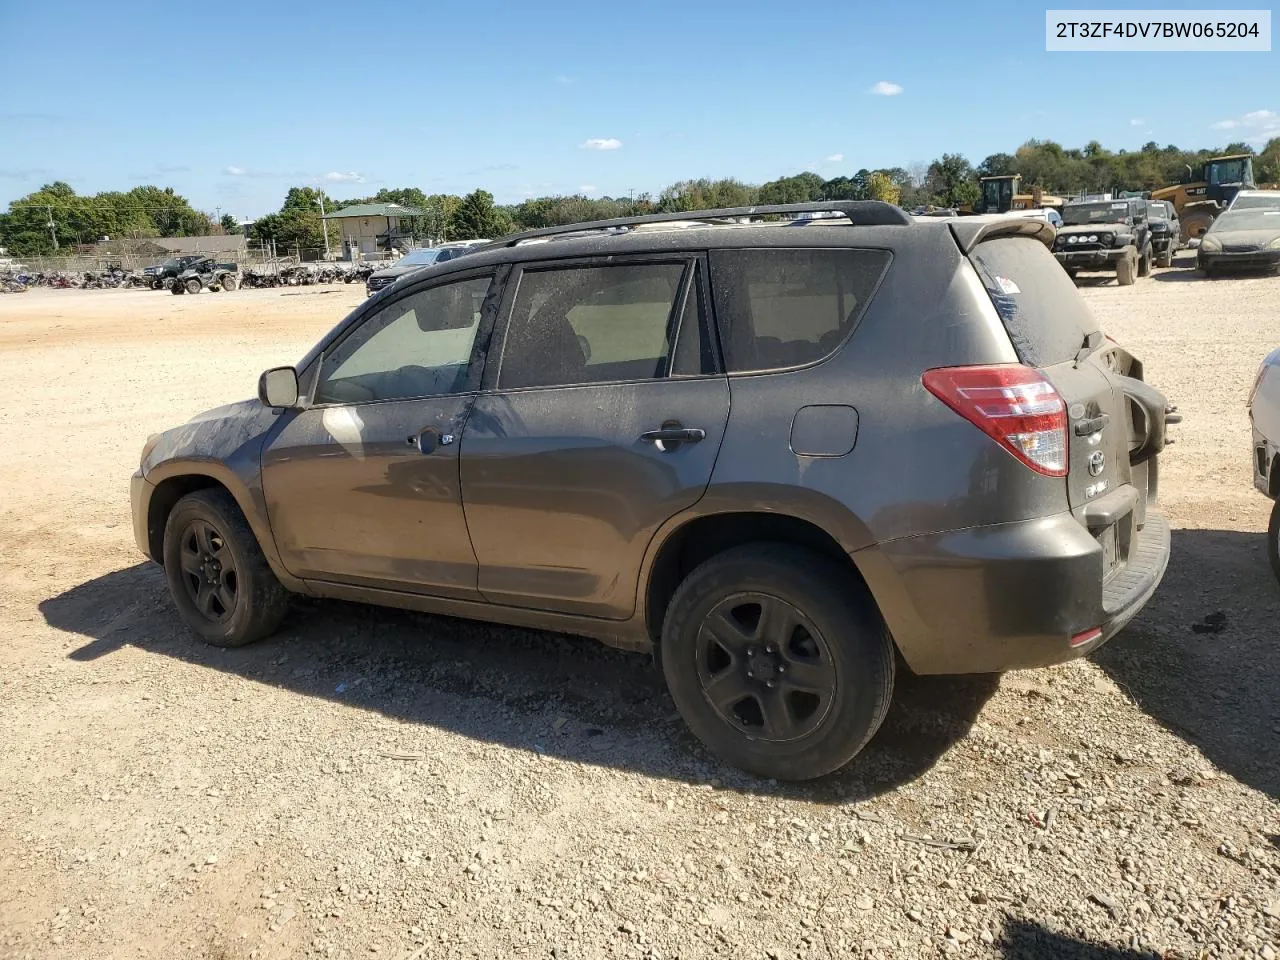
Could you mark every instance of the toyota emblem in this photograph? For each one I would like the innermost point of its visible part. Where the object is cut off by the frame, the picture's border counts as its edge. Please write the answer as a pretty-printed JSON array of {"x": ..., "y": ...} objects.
[{"x": 1097, "y": 462}]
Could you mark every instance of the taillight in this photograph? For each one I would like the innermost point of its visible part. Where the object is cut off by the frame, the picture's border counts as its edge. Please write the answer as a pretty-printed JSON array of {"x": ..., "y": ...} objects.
[{"x": 1014, "y": 405}]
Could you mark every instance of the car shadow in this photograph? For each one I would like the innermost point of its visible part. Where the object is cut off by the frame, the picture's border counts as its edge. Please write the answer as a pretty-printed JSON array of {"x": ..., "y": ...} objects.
[
  {"x": 557, "y": 695},
  {"x": 1025, "y": 940},
  {"x": 1202, "y": 657}
]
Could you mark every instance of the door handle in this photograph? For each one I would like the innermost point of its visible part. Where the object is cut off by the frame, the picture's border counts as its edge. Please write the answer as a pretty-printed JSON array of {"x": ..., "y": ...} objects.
[
  {"x": 674, "y": 434},
  {"x": 429, "y": 439}
]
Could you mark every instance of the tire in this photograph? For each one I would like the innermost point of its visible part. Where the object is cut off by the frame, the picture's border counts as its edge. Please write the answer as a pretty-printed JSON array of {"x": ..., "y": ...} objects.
[
  {"x": 1205, "y": 269},
  {"x": 157, "y": 284},
  {"x": 1273, "y": 540},
  {"x": 1144, "y": 262},
  {"x": 207, "y": 536},
  {"x": 1071, "y": 272},
  {"x": 193, "y": 286},
  {"x": 838, "y": 644},
  {"x": 1195, "y": 223},
  {"x": 1166, "y": 258},
  {"x": 228, "y": 283},
  {"x": 177, "y": 289},
  {"x": 1126, "y": 268}
]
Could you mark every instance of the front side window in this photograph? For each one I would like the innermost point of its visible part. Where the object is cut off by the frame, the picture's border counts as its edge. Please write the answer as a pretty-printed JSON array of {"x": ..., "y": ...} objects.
[
  {"x": 591, "y": 325},
  {"x": 417, "y": 346},
  {"x": 784, "y": 308}
]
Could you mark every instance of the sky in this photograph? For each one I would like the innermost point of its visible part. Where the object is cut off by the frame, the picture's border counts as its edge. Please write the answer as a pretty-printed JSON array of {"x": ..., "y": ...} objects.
[{"x": 535, "y": 98}]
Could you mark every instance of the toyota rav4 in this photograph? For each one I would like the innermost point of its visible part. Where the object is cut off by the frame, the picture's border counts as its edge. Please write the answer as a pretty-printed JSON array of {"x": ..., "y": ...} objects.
[{"x": 784, "y": 453}]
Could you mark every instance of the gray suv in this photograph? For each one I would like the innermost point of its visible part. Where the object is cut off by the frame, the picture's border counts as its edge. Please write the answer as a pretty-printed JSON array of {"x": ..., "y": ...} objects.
[{"x": 784, "y": 454}]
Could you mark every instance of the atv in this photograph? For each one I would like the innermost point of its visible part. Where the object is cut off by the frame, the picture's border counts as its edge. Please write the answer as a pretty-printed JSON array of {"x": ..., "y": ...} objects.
[{"x": 206, "y": 275}]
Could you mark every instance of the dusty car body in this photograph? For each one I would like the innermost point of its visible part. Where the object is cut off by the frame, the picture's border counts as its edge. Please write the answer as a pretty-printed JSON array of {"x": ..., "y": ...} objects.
[
  {"x": 1105, "y": 235},
  {"x": 1246, "y": 236},
  {"x": 700, "y": 435},
  {"x": 1264, "y": 416}
]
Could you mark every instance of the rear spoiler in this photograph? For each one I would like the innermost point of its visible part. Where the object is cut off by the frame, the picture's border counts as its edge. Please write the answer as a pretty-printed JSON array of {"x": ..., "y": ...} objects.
[{"x": 971, "y": 231}]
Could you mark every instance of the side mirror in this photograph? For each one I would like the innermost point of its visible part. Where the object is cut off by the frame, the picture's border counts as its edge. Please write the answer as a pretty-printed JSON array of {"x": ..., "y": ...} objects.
[{"x": 278, "y": 387}]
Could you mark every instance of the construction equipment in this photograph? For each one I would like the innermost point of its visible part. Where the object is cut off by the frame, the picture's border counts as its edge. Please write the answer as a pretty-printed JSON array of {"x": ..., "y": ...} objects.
[
  {"x": 1201, "y": 198},
  {"x": 1000, "y": 195}
]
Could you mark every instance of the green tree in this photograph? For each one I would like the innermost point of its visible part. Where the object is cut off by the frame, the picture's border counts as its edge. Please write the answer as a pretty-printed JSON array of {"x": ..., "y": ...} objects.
[
  {"x": 477, "y": 218},
  {"x": 229, "y": 225},
  {"x": 880, "y": 187},
  {"x": 952, "y": 181},
  {"x": 800, "y": 188}
]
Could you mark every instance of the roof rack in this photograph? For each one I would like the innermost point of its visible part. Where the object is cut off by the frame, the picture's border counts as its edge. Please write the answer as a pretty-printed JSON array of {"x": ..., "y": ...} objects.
[{"x": 861, "y": 213}]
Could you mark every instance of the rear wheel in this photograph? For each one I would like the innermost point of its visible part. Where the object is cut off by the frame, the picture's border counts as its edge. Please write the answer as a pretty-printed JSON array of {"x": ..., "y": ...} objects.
[
  {"x": 228, "y": 283},
  {"x": 1126, "y": 268},
  {"x": 192, "y": 285},
  {"x": 1273, "y": 540},
  {"x": 176, "y": 288},
  {"x": 218, "y": 578},
  {"x": 1144, "y": 263},
  {"x": 777, "y": 661},
  {"x": 1195, "y": 223}
]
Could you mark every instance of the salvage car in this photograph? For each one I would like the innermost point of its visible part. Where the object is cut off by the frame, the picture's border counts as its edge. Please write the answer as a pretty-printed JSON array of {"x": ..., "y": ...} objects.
[
  {"x": 1264, "y": 416},
  {"x": 1244, "y": 237},
  {"x": 1105, "y": 235},
  {"x": 777, "y": 459},
  {"x": 416, "y": 261},
  {"x": 206, "y": 274},
  {"x": 1166, "y": 231}
]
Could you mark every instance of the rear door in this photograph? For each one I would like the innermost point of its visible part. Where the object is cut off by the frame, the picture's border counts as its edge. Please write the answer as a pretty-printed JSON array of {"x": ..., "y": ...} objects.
[
  {"x": 601, "y": 419},
  {"x": 1107, "y": 405}
]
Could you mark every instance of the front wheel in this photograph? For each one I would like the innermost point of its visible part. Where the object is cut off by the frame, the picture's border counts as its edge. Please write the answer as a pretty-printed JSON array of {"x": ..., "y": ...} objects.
[
  {"x": 228, "y": 283},
  {"x": 1144, "y": 263},
  {"x": 1165, "y": 259},
  {"x": 218, "y": 577},
  {"x": 778, "y": 660},
  {"x": 177, "y": 289},
  {"x": 1126, "y": 267},
  {"x": 193, "y": 286}
]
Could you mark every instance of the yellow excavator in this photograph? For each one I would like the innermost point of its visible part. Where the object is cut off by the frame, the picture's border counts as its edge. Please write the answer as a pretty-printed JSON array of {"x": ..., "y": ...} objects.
[
  {"x": 1199, "y": 201},
  {"x": 1000, "y": 195}
]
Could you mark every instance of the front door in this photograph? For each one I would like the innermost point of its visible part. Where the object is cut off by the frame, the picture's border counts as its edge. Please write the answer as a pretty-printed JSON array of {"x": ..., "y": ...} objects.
[
  {"x": 602, "y": 420},
  {"x": 362, "y": 486}
]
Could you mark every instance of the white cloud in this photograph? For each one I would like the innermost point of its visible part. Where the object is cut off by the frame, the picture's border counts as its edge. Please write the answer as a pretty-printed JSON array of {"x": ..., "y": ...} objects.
[
  {"x": 586, "y": 188},
  {"x": 600, "y": 143},
  {"x": 1257, "y": 126},
  {"x": 565, "y": 79},
  {"x": 886, "y": 89},
  {"x": 334, "y": 176},
  {"x": 834, "y": 158},
  {"x": 1137, "y": 122},
  {"x": 236, "y": 171}
]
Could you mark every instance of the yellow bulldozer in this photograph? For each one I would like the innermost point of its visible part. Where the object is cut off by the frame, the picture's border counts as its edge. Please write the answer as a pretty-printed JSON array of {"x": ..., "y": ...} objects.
[
  {"x": 1000, "y": 195},
  {"x": 1200, "y": 200}
]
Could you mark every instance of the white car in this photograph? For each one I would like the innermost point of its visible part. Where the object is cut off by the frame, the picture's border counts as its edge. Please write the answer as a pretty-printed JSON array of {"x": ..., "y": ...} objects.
[{"x": 1264, "y": 414}]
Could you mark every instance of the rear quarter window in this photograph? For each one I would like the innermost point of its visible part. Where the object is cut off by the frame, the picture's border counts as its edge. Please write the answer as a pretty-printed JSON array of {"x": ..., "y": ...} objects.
[
  {"x": 1043, "y": 312},
  {"x": 780, "y": 308}
]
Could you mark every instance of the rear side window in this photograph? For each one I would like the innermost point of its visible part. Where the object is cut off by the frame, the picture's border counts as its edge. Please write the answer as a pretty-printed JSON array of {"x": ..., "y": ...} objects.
[
  {"x": 1045, "y": 315},
  {"x": 783, "y": 308}
]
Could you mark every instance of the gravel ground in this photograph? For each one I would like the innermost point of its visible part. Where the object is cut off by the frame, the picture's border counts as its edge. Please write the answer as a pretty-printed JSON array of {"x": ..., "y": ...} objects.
[{"x": 381, "y": 784}]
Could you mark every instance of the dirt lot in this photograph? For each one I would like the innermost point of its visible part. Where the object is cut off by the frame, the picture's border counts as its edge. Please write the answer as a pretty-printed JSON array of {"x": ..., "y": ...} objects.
[{"x": 379, "y": 784}]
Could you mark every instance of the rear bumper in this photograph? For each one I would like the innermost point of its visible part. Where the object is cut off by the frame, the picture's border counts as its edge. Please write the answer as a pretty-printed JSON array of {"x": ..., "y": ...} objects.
[
  {"x": 989, "y": 599},
  {"x": 1091, "y": 259}
]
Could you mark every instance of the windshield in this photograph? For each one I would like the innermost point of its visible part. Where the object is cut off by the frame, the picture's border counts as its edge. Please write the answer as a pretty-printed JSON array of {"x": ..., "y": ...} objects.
[
  {"x": 1102, "y": 212},
  {"x": 1244, "y": 202},
  {"x": 1226, "y": 171},
  {"x": 419, "y": 258},
  {"x": 1248, "y": 220}
]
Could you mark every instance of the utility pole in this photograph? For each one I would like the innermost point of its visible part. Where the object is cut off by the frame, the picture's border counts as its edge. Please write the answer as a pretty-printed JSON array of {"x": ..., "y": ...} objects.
[
  {"x": 324, "y": 225},
  {"x": 53, "y": 230}
]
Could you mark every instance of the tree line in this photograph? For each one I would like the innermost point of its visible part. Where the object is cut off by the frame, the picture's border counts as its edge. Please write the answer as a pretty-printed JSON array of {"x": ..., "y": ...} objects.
[{"x": 951, "y": 180}]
